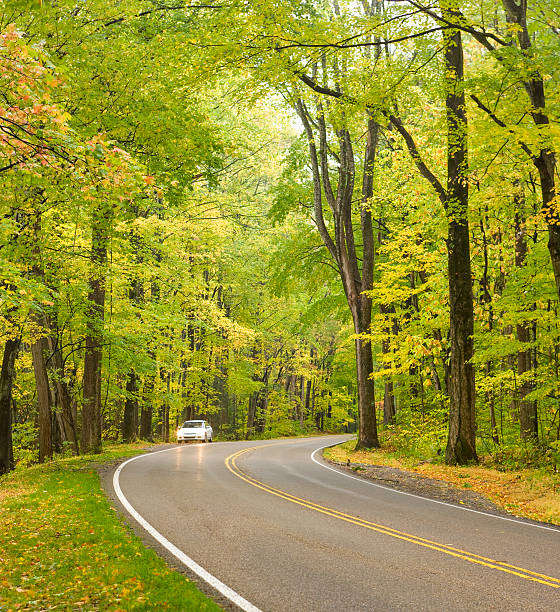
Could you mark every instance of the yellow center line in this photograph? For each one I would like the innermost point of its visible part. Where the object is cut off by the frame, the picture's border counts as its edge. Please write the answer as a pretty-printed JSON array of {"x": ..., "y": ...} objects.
[{"x": 231, "y": 464}]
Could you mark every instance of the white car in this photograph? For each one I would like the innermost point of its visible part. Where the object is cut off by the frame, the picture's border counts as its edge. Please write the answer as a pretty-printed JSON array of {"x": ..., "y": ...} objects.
[{"x": 194, "y": 430}]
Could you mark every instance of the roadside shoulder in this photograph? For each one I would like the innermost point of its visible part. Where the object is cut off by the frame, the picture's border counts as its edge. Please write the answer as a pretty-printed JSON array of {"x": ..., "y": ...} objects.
[
  {"x": 417, "y": 484},
  {"x": 474, "y": 487}
]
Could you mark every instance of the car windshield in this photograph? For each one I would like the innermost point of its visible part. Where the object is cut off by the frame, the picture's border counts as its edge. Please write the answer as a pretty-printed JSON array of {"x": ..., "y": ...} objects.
[{"x": 195, "y": 424}]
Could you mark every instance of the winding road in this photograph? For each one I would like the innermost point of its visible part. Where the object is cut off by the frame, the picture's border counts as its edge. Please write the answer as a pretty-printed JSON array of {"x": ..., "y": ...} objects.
[{"x": 273, "y": 527}]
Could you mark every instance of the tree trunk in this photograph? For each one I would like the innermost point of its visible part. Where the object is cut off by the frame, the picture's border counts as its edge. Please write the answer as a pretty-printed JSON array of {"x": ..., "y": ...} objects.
[
  {"x": 38, "y": 350},
  {"x": 486, "y": 298},
  {"x": 367, "y": 432},
  {"x": 439, "y": 337},
  {"x": 527, "y": 408},
  {"x": 528, "y": 420},
  {"x": 64, "y": 399},
  {"x": 251, "y": 410},
  {"x": 91, "y": 409},
  {"x": 147, "y": 410},
  {"x": 165, "y": 422},
  {"x": 492, "y": 409},
  {"x": 545, "y": 161},
  {"x": 389, "y": 407},
  {"x": 411, "y": 305},
  {"x": 262, "y": 407},
  {"x": 7, "y": 374},
  {"x": 341, "y": 244},
  {"x": 461, "y": 444},
  {"x": 130, "y": 409},
  {"x": 142, "y": 425},
  {"x": 461, "y": 439},
  {"x": 307, "y": 402}
]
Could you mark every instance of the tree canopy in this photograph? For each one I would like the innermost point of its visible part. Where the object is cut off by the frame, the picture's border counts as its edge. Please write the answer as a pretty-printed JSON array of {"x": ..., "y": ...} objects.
[{"x": 283, "y": 217}]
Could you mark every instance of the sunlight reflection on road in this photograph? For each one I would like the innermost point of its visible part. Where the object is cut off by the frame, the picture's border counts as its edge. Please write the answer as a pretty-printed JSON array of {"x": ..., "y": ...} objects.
[
  {"x": 199, "y": 455},
  {"x": 184, "y": 460}
]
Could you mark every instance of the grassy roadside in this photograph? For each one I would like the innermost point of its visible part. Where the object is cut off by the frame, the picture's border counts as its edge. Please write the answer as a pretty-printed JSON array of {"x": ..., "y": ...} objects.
[
  {"x": 530, "y": 493},
  {"x": 62, "y": 547}
]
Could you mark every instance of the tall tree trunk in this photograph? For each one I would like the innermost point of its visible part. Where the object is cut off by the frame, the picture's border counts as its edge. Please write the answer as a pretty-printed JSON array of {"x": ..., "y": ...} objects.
[
  {"x": 461, "y": 445},
  {"x": 302, "y": 402},
  {"x": 91, "y": 409},
  {"x": 261, "y": 413},
  {"x": 261, "y": 401},
  {"x": 367, "y": 433},
  {"x": 7, "y": 374},
  {"x": 342, "y": 245},
  {"x": 130, "y": 409},
  {"x": 461, "y": 439},
  {"x": 64, "y": 400},
  {"x": 545, "y": 160},
  {"x": 492, "y": 409},
  {"x": 389, "y": 406},
  {"x": 527, "y": 408},
  {"x": 165, "y": 422},
  {"x": 414, "y": 378},
  {"x": 461, "y": 442},
  {"x": 251, "y": 411},
  {"x": 307, "y": 402},
  {"x": 147, "y": 409},
  {"x": 142, "y": 425},
  {"x": 38, "y": 351},
  {"x": 486, "y": 298}
]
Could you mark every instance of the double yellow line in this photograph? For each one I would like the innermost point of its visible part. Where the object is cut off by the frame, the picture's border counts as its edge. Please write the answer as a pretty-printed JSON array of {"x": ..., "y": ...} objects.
[{"x": 231, "y": 464}]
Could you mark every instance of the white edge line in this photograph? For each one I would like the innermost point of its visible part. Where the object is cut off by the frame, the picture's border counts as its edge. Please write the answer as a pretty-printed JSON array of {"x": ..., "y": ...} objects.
[
  {"x": 176, "y": 552},
  {"x": 434, "y": 501}
]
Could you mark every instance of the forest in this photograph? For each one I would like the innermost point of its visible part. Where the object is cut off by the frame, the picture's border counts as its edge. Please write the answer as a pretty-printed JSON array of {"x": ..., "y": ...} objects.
[{"x": 285, "y": 217}]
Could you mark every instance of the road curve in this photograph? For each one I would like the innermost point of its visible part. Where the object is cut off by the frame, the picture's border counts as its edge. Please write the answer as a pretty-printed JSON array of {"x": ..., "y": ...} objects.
[{"x": 283, "y": 532}]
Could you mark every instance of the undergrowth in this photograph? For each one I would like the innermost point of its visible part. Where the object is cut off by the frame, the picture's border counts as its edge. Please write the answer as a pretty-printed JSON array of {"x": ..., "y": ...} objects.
[{"x": 423, "y": 437}]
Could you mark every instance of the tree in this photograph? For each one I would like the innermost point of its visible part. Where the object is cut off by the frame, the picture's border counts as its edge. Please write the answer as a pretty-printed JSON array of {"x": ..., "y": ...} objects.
[
  {"x": 33, "y": 136},
  {"x": 341, "y": 243}
]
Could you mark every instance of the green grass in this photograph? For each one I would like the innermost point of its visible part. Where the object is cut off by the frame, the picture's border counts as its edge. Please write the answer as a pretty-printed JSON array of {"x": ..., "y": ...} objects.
[{"x": 62, "y": 546}]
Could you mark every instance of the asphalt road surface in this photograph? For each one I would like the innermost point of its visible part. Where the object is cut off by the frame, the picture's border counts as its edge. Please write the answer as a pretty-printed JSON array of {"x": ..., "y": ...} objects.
[{"x": 277, "y": 528}]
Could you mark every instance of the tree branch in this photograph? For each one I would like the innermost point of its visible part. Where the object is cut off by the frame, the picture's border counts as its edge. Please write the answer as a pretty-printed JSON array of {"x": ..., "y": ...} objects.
[
  {"x": 482, "y": 37},
  {"x": 165, "y": 8},
  {"x": 371, "y": 43},
  {"x": 499, "y": 122},
  {"x": 318, "y": 88},
  {"x": 416, "y": 157},
  {"x": 317, "y": 194}
]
